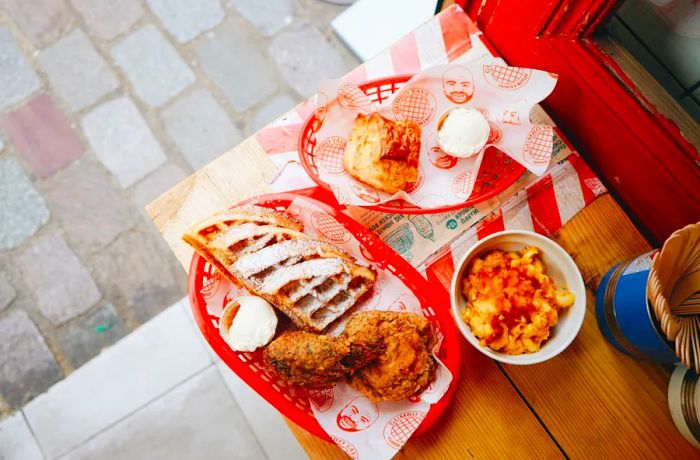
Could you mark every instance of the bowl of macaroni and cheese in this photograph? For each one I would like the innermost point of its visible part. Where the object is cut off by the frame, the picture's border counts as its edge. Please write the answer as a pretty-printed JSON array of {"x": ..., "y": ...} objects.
[{"x": 518, "y": 297}]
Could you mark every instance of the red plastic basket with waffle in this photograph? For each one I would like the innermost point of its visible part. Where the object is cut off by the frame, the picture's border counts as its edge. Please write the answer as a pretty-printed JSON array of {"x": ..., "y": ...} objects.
[{"x": 398, "y": 285}]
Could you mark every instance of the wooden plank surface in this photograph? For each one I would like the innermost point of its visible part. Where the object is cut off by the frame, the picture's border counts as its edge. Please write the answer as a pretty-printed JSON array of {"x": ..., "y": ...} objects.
[
  {"x": 592, "y": 400},
  {"x": 597, "y": 402}
]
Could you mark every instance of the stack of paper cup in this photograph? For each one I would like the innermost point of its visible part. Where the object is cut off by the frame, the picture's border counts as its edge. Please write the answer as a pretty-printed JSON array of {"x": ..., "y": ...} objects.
[
  {"x": 673, "y": 289},
  {"x": 684, "y": 403}
]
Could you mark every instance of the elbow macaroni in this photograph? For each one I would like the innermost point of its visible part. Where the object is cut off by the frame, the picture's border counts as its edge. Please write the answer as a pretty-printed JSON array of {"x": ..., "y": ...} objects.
[{"x": 511, "y": 302}]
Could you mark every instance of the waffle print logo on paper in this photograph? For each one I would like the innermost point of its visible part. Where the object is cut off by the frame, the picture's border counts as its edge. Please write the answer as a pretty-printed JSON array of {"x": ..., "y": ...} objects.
[
  {"x": 329, "y": 154},
  {"x": 346, "y": 446},
  {"x": 538, "y": 145},
  {"x": 329, "y": 229},
  {"x": 322, "y": 399},
  {"x": 461, "y": 185},
  {"x": 505, "y": 77},
  {"x": 398, "y": 429},
  {"x": 365, "y": 193},
  {"x": 357, "y": 415},
  {"x": 351, "y": 97},
  {"x": 458, "y": 84},
  {"x": 415, "y": 104}
]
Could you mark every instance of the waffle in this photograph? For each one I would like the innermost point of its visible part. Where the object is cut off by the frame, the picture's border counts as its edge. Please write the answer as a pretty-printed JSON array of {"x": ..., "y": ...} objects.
[{"x": 265, "y": 251}]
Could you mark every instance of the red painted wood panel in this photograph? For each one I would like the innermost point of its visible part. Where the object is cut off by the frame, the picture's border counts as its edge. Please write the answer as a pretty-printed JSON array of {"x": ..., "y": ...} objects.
[{"x": 640, "y": 154}]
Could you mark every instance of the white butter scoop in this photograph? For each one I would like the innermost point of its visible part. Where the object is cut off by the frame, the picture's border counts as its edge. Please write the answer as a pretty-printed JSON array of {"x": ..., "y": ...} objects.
[
  {"x": 248, "y": 323},
  {"x": 463, "y": 132}
]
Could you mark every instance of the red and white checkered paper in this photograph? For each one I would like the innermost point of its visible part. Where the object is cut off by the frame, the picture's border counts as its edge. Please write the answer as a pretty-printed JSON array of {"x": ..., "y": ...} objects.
[{"x": 542, "y": 205}]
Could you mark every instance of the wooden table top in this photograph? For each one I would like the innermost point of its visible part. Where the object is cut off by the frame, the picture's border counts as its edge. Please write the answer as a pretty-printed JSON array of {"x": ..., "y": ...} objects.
[{"x": 589, "y": 401}]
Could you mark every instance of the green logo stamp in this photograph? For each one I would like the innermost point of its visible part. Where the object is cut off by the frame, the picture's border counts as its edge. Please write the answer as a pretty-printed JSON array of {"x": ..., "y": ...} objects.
[{"x": 451, "y": 224}]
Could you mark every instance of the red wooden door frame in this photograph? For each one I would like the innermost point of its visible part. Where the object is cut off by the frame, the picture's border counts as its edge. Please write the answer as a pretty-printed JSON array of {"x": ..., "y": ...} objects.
[{"x": 639, "y": 153}]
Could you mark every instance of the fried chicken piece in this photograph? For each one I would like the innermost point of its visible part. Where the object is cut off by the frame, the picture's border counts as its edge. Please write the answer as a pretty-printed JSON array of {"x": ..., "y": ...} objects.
[
  {"x": 306, "y": 359},
  {"x": 399, "y": 345}
]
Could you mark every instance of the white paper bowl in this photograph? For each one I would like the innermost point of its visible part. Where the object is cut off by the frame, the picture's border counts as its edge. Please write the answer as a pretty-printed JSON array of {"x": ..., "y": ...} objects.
[{"x": 558, "y": 265}]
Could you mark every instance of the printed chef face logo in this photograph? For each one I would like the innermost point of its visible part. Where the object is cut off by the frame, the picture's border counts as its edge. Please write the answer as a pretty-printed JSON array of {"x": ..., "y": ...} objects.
[
  {"x": 458, "y": 84},
  {"x": 359, "y": 414},
  {"x": 440, "y": 159}
]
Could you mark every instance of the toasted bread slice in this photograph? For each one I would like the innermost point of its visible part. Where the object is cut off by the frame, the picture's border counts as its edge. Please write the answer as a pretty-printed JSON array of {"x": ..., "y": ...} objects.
[
  {"x": 312, "y": 282},
  {"x": 383, "y": 153}
]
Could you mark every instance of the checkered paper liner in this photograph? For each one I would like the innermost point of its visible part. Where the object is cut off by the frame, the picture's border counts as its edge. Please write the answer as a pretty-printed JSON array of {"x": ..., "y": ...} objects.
[{"x": 504, "y": 95}]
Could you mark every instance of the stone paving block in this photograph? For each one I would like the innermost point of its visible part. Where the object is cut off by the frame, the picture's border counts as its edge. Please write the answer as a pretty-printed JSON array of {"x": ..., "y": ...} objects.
[
  {"x": 43, "y": 136},
  {"x": 78, "y": 75},
  {"x": 85, "y": 338},
  {"x": 57, "y": 279},
  {"x": 155, "y": 185},
  {"x": 186, "y": 19},
  {"x": 40, "y": 20},
  {"x": 121, "y": 380},
  {"x": 122, "y": 140},
  {"x": 90, "y": 212},
  {"x": 22, "y": 209},
  {"x": 17, "y": 441},
  {"x": 153, "y": 281},
  {"x": 109, "y": 18},
  {"x": 17, "y": 79},
  {"x": 165, "y": 427},
  {"x": 200, "y": 128},
  {"x": 27, "y": 366},
  {"x": 269, "y": 17},
  {"x": 305, "y": 57},
  {"x": 272, "y": 110},
  {"x": 152, "y": 65},
  {"x": 235, "y": 63},
  {"x": 7, "y": 291}
]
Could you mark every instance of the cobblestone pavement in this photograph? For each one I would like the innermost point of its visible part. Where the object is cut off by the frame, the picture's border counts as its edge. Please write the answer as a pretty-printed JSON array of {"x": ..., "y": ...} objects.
[{"x": 103, "y": 106}]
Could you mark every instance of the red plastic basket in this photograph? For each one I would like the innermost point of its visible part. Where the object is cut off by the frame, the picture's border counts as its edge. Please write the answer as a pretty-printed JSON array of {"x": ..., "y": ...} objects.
[
  {"x": 289, "y": 401},
  {"x": 497, "y": 172}
]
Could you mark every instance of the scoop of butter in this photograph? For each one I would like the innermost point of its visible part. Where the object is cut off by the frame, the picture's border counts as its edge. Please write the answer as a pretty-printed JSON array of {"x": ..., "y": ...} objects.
[
  {"x": 463, "y": 132},
  {"x": 247, "y": 323}
]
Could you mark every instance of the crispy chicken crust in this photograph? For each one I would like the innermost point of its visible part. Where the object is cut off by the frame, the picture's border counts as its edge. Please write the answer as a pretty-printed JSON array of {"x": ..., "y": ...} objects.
[
  {"x": 306, "y": 359},
  {"x": 400, "y": 346}
]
